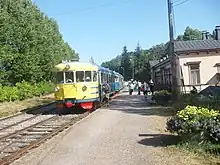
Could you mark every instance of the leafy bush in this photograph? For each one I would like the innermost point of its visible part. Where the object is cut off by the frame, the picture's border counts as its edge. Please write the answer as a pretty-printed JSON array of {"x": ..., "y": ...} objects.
[
  {"x": 162, "y": 97},
  {"x": 197, "y": 123},
  {"x": 24, "y": 90},
  {"x": 211, "y": 102}
]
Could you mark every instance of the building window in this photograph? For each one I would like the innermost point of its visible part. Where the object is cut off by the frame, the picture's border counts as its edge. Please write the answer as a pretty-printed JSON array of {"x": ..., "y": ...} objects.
[
  {"x": 194, "y": 74},
  {"x": 157, "y": 77},
  {"x": 167, "y": 74},
  {"x": 218, "y": 68}
]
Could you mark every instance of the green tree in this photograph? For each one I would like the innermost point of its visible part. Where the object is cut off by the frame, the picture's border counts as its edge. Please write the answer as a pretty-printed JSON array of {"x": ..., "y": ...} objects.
[
  {"x": 125, "y": 63},
  {"x": 190, "y": 34},
  {"x": 30, "y": 43},
  {"x": 158, "y": 51}
]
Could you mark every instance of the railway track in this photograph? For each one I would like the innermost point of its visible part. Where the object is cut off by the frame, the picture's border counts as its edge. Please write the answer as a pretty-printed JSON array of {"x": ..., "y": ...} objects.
[
  {"x": 16, "y": 144},
  {"x": 16, "y": 140},
  {"x": 15, "y": 122}
]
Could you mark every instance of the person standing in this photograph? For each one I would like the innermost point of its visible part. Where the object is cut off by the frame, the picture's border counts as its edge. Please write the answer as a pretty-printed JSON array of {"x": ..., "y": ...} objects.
[
  {"x": 151, "y": 84},
  {"x": 145, "y": 86},
  {"x": 139, "y": 87},
  {"x": 131, "y": 88}
]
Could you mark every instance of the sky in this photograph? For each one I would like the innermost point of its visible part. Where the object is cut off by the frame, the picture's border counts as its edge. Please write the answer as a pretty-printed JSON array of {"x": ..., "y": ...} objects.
[{"x": 100, "y": 28}]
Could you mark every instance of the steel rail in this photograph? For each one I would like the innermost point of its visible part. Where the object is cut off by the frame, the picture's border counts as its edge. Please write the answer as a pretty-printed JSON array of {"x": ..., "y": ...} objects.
[{"x": 24, "y": 120}]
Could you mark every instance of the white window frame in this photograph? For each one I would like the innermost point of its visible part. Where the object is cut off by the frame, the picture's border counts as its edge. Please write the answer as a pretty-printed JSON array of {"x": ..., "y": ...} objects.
[{"x": 198, "y": 77}]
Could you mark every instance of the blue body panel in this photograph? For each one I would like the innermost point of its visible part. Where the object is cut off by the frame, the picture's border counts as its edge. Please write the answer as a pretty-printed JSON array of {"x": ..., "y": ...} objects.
[{"x": 116, "y": 86}]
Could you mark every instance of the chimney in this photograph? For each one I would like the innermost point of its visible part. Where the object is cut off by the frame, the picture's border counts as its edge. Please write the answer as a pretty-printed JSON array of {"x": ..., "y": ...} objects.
[
  {"x": 207, "y": 35},
  {"x": 204, "y": 35},
  {"x": 217, "y": 32}
]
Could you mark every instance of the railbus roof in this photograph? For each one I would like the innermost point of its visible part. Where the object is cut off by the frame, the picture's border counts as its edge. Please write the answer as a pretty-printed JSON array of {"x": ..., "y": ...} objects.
[
  {"x": 82, "y": 66},
  {"x": 72, "y": 66}
]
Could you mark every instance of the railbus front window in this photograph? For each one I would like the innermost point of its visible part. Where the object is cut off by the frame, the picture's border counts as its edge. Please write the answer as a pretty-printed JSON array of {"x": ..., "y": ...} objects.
[
  {"x": 69, "y": 77},
  {"x": 80, "y": 76},
  {"x": 60, "y": 77},
  {"x": 94, "y": 76},
  {"x": 88, "y": 76}
]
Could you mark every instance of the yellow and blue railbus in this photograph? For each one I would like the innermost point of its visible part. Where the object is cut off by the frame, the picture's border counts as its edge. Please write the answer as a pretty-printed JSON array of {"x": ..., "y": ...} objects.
[{"x": 80, "y": 84}]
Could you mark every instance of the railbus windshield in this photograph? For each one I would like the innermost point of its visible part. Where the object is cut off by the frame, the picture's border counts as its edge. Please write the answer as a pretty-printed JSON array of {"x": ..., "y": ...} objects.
[
  {"x": 69, "y": 77},
  {"x": 59, "y": 77},
  {"x": 77, "y": 76},
  {"x": 64, "y": 77},
  {"x": 86, "y": 76}
]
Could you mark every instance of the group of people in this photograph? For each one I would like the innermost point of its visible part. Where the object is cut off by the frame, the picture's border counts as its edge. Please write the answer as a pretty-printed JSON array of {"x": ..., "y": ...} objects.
[{"x": 141, "y": 86}]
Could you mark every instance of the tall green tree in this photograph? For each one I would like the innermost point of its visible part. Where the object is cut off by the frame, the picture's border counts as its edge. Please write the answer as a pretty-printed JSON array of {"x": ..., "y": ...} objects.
[
  {"x": 125, "y": 63},
  {"x": 30, "y": 43},
  {"x": 190, "y": 34}
]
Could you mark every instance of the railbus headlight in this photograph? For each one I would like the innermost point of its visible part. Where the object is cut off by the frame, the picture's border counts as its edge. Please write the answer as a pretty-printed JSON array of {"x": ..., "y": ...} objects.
[{"x": 56, "y": 89}]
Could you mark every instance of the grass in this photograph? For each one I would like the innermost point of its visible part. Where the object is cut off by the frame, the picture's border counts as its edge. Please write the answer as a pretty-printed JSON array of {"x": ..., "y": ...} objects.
[
  {"x": 202, "y": 159},
  {"x": 205, "y": 152},
  {"x": 10, "y": 108},
  {"x": 201, "y": 148}
]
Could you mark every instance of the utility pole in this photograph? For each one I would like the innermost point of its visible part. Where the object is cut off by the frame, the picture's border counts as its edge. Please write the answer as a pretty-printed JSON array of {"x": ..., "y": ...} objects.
[{"x": 175, "y": 68}]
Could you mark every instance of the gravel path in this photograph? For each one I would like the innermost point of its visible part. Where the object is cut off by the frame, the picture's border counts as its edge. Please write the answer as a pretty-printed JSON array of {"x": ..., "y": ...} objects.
[{"x": 129, "y": 132}]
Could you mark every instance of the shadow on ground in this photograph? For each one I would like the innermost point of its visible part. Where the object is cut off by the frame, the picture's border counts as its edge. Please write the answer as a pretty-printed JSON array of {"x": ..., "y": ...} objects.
[
  {"x": 50, "y": 109},
  {"x": 137, "y": 104},
  {"x": 158, "y": 140}
]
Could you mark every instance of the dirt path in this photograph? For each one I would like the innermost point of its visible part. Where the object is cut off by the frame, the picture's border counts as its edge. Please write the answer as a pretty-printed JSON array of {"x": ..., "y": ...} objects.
[{"x": 129, "y": 132}]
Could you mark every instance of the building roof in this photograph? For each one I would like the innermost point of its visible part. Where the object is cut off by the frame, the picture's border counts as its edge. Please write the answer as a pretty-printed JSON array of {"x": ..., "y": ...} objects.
[
  {"x": 153, "y": 63},
  {"x": 196, "y": 45}
]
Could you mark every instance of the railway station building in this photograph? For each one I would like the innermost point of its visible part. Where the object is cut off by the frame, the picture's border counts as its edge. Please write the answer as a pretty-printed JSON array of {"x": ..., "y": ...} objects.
[{"x": 199, "y": 62}]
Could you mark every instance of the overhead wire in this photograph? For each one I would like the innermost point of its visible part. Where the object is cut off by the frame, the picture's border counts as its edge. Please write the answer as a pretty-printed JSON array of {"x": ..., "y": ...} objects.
[
  {"x": 173, "y": 5},
  {"x": 93, "y": 7},
  {"x": 176, "y": 1},
  {"x": 181, "y": 3}
]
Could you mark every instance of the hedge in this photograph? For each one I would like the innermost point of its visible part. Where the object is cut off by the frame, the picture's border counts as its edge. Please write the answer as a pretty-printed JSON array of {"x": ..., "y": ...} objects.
[
  {"x": 162, "y": 97},
  {"x": 24, "y": 90}
]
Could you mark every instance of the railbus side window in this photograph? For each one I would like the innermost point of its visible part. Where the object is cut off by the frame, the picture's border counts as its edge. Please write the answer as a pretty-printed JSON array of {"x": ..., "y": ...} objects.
[
  {"x": 60, "y": 77},
  {"x": 116, "y": 79},
  {"x": 94, "y": 76},
  {"x": 106, "y": 77},
  {"x": 80, "y": 76},
  {"x": 102, "y": 77},
  {"x": 88, "y": 76},
  {"x": 69, "y": 77}
]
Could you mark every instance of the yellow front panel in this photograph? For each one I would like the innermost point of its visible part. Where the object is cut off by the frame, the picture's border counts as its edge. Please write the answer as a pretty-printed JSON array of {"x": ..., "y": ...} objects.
[{"x": 79, "y": 91}]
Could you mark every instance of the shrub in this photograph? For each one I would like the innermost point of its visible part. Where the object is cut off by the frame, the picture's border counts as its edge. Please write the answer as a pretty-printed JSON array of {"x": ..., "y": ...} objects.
[
  {"x": 162, "y": 97},
  {"x": 211, "y": 102},
  {"x": 197, "y": 123},
  {"x": 24, "y": 90}
]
